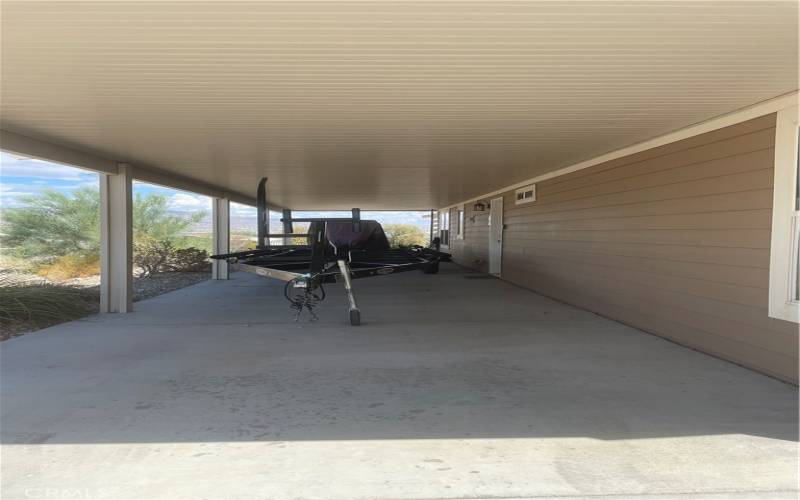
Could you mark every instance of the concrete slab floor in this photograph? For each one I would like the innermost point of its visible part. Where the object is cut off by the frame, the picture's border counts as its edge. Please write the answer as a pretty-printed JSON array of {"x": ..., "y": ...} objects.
[{"x": 454, "y": 387}]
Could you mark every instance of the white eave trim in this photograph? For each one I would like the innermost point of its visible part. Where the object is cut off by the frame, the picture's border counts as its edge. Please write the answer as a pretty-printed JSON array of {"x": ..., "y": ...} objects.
[
  {"x": 741, "y": 115},
  {"x": 34, "y": 148},
  {"x": 43, "y": 150}
]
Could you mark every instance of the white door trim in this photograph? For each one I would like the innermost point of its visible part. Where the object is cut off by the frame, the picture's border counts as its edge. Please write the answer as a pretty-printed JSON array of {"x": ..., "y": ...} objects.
[{"x": 496, "y": 236}]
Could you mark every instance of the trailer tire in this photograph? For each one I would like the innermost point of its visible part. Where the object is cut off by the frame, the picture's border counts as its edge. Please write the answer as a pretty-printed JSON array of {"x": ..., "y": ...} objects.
[{"x": 355, "y": 317}]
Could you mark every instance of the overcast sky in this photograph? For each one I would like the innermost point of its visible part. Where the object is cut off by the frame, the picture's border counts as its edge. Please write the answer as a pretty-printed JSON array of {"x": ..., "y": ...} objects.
[{"x": 21, "y": 176}]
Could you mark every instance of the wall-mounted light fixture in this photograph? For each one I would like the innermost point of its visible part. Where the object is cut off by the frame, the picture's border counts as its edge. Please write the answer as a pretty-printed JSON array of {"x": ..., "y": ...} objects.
[{"x": 479, "y": 207}]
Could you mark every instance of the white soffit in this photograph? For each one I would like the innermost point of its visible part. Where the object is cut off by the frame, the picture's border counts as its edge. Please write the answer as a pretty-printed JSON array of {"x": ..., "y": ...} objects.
[{"x": 378, "y": 104}]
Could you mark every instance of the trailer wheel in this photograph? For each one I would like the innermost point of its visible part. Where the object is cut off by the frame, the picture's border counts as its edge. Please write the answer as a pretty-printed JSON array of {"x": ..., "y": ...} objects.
[
  {"x": 355, "y": 317},
  {"x": 432, "y": 268}
]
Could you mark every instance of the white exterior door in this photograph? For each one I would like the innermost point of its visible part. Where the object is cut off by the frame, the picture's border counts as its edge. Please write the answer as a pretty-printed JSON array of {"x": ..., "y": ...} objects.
[{"x": 495, "y": 236}]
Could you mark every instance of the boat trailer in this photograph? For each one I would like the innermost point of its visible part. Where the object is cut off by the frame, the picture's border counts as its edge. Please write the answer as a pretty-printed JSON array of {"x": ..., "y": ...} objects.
[{"x": 334, "y": 250}]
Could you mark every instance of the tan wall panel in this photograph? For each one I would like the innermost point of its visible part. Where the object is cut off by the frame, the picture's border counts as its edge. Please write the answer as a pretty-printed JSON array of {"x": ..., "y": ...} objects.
[
  {"x": 745, "y": 181},
  {"x": 779, "y": 364},
  {"x": 740, "y": 257},
  {"x": 673, "y": 240},
  {"x": 736, "y": 152},
  {"x": 473, "y": 250},
  {"x": 743, "y": 200},
  {"x": 761, "y": 123}
]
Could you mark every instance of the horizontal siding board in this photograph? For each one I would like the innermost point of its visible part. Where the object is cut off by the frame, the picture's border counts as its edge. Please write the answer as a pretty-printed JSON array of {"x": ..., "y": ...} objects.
[
  {"x": 714, "y": 136},
  {"x": 663, "y": 297},
  {"x": 708, "y": 170},
  {"x": 746, "y": 349},
  {"x": 741, "y": 276},
  {"x": 740, "y": 153},
  {"x": 744, "y": 219},
  {"x": 674, "y": 240},
  {"x": 779, "y": 364},
  {"x": 726, "y": 202},
  {"x": 738, "y": 238},
  {"x": 724, "y": 292},
  {"x": 743, "y": 258},
  {"x": 741, "y": 182},
  {"x": 659, "y": 305}
]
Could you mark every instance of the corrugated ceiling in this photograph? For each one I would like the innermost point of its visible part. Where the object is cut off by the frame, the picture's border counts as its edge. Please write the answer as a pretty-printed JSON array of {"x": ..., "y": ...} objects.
[{"x": 381, "y": 104}]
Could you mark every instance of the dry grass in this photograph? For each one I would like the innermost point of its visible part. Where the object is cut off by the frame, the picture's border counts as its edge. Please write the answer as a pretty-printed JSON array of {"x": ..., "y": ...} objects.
[
  {"x": 70, "y": 267},
  {"x": 9, "y": 263},
  {"x": 27, "y": 303}
]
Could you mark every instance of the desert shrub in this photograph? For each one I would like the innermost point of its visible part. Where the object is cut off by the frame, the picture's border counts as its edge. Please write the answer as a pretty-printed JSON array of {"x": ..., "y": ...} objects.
[
  {"x": 40, "y": 302},
  {"x": 151, "y": 255},
  {"x": 188, "y": 260},
  {"x": 71, "y": 266},
  {"x": 154, "y": 256},
  {"x": 299, "y": 229},
  {"x": 241, "y": 241},
  {"x": 405, "y": 235},
  {"x": 203, "y": 242},
  {"x": 151, "y": 218},
  {"x": 53, "y": 224}
]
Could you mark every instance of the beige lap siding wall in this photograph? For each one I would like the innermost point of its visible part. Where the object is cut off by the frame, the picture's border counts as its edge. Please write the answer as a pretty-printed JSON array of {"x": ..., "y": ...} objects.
[
  {"x": 673, "y": 240},
  {"x": 473, "y": 250}
]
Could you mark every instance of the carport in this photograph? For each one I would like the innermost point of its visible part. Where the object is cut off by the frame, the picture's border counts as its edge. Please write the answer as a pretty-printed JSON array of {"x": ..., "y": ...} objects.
[
  {"x": 456, "y": 387},
  {"x": 617, "y": 183}
]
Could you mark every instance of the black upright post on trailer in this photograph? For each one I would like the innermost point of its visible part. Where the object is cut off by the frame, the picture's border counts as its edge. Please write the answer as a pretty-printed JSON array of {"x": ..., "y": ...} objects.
[
  {"x": 287, "y": 221},
  {"x": 317, "y": 242},
  {"x": 262, "y": 214},
  {"x": 430, "y": 240},
  {"x": 356, "y": 220},
  {"x": 288, "y": 227}
]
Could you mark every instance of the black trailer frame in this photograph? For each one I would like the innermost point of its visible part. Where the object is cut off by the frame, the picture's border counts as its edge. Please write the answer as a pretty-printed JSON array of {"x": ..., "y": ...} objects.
[{"x": 305, "y": 268}]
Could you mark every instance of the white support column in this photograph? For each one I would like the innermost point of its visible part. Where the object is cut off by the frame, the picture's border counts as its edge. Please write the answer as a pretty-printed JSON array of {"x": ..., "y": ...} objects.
[
  {"x": 221, "y": 234},
  {"x": 116, "y": 241}
]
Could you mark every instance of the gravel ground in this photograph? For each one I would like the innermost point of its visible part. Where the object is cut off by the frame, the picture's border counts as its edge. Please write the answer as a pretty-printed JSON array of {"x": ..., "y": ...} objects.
[
  {"x": 151, "y": 286},
  {"x": 143, "y": 288}
]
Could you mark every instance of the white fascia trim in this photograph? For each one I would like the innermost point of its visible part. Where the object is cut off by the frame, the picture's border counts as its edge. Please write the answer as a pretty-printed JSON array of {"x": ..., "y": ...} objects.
[
  {"x": 741, "y": 115},
  {"x": 784, "y": 245},
  {"x": 47, "y": 151},
  {"x": 159, "y": 178}
]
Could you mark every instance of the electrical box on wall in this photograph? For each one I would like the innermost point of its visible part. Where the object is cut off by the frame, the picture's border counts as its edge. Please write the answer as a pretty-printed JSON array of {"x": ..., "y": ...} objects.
[{"x": 525, "y": 194}]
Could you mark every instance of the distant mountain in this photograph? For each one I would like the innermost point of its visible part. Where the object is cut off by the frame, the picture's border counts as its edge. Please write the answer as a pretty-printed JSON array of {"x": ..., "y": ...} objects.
[{"x": 248, "y": 223}]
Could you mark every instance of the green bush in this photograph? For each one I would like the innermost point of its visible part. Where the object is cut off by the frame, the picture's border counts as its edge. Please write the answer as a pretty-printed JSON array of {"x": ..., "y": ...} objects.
[
  {"x": 154, "y": 256},
  {"x": 405, "y": 235},
  {"x": 151, "y": 255},
  {"x": 188, "y": 260},
  {"x": 52, "y": 227},
  {"x": 150, "y": 218},
  {"x": 53, "y": 224},
  {"x": 243, "y": 240}
]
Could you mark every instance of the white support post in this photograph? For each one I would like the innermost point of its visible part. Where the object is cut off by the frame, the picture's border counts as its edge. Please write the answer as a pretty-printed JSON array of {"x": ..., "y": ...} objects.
[
  {"x": 116, "y": 241},
  {"x": 221, "y": 233}
]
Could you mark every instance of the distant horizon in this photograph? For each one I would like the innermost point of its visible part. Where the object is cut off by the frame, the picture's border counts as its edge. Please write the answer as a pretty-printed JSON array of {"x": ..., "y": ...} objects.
[{"x": 23, "y": 176}]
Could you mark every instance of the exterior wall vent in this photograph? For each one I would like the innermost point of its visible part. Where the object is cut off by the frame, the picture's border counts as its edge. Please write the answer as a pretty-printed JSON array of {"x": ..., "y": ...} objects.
[{"x": 525, "y": 194}]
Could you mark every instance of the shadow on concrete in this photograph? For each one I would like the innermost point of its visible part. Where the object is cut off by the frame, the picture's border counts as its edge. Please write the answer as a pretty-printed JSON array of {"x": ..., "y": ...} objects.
[{"x": 440, "y": 357}]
